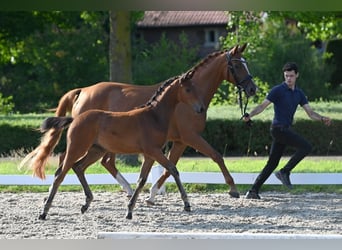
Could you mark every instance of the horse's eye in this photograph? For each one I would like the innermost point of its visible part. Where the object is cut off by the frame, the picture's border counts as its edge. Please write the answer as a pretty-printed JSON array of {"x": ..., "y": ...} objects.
[{"x": 237, "y": 66}]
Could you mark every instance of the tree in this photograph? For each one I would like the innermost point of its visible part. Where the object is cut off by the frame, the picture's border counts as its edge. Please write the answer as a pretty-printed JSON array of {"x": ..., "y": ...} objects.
[
  {"x": 275, "y": 37},
  {"x": 120, "y": 56},
  {"x": 45, "y": 54}
]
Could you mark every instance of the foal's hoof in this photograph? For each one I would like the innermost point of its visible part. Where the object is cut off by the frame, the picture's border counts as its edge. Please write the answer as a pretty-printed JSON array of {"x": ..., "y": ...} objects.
[
  {"x": 129, "y": 215},
  {"x": 42, "y": 217},
  {"x": 84, "y": 208},
  {"x": 187, "y": 208},
  {"x": 234, "y": 194}
]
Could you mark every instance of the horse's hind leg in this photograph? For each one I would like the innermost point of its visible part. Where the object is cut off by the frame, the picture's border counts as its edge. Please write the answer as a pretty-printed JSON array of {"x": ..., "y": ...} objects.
[
  {"x": 108, "y": 161},
  {"x": 93, "y": 154}
]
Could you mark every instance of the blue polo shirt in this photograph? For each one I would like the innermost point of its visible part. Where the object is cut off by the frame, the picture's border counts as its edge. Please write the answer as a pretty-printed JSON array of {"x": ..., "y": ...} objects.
[{"x": 285, "y": 102}]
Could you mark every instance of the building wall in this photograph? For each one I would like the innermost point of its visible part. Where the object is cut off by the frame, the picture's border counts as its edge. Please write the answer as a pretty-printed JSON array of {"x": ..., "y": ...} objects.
[{"x": 205, "y": 38}]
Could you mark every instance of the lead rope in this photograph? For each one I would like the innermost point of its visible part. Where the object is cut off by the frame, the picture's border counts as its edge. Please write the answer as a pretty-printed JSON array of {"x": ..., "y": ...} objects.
[{"x": 243, "y": 114}]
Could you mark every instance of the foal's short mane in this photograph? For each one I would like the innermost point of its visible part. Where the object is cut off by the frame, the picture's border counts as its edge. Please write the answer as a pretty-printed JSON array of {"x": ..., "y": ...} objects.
[{"x": 186, "y": 76}]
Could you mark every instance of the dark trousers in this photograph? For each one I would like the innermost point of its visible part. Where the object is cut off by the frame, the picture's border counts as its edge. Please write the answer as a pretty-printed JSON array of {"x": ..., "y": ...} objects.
[{"x": 282, "y": 137}]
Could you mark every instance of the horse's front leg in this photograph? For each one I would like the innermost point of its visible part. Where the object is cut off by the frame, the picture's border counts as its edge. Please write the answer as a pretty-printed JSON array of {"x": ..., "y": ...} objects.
[
  {"x": 145, "y": 170},
  {"x": 175, "y": 153},
  {"x": 197, "y": 142}
]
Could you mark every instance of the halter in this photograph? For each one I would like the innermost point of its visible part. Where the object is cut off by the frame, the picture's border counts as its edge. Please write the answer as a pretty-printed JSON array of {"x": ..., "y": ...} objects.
[
  {"x": 230, "y": 59},
  {"x": 239, "y": 91},
  {"x": 239, "y": 84}
]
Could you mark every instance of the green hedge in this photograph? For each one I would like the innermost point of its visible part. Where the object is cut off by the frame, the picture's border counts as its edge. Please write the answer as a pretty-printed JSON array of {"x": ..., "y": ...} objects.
[
  {"x": 234, "y": 138},
  {"x": 229, "y": 137},
  {"x": 21, "y": 139}
]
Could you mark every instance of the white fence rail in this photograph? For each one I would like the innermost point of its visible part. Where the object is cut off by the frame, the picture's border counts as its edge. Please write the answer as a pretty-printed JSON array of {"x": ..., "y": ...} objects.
[{"x": 186, "y": 177}]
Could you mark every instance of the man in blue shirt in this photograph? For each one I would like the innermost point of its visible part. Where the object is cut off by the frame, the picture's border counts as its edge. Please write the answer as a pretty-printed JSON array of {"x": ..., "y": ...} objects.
[{"x": 285, "y": 98}]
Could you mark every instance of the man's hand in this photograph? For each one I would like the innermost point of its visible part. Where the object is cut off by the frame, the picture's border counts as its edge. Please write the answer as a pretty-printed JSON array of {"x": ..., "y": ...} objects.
[
  {"x": 246, "y": 118},
  {"x": 326, "y": 120}
]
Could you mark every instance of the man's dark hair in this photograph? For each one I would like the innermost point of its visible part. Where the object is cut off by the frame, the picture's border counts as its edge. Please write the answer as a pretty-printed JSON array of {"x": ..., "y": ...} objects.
[{"x": 290, "y": 66}]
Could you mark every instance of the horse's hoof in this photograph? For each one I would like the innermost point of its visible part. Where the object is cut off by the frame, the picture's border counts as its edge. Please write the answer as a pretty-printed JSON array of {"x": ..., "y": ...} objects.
[
  {"x": 234, "y": 194},
  {"x": 42, "y": 217},
  {"x": 84, "y": 208},
  {"x": 129, "y": 215},
  {"x": 149, "y": 202}
]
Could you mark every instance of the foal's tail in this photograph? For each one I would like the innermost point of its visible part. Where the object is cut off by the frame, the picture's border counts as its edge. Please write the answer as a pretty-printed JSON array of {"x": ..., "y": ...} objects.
[
  {"x": 58, "y": 123},
  {"x": 37, "y": 159}
]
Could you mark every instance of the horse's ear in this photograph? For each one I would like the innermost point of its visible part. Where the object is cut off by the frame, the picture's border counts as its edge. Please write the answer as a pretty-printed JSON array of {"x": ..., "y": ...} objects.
[
  {"x": 235, "y": 49},
  {"x": 243, "y": 48}
]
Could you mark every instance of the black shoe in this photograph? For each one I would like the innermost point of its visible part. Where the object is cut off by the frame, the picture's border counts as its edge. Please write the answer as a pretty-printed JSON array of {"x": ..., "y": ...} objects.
[
  {"x": 284, "y": 178},
  {"x": 252, "y": 195}
]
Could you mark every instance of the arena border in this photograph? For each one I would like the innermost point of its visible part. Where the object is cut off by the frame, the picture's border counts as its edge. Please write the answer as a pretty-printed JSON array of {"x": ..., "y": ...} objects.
[{"x": 216, "y": 236}]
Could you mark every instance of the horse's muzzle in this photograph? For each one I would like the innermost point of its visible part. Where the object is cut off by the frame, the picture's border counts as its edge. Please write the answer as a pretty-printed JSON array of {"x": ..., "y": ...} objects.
[
  {"x": 199, "y": 108},
  {"x": 251, "y": 88}
]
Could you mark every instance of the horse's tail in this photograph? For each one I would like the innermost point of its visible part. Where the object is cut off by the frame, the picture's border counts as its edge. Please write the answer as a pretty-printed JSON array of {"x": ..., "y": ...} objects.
[
  {"x": 37, "y": 159},
  {"x": 67, "y": 101}
]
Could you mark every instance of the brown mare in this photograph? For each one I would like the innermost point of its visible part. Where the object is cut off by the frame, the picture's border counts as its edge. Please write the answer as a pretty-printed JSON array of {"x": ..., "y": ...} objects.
[
  {"x": 141, "y": 130},
  {"x": 185, "y": 126}
]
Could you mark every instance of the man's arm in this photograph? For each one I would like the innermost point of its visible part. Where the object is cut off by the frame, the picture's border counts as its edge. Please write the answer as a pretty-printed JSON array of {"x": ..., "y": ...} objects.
[
  {"x": 257, "y": 110},
  {"x": 315, "y": 116}
]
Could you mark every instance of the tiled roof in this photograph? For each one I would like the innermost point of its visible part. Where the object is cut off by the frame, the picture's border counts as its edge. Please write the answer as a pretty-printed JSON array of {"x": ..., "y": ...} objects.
[{"x": 182, "y": 18}]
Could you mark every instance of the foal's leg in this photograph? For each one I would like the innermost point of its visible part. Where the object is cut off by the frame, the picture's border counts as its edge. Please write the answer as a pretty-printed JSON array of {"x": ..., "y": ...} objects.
[
  {"x": 93, "y": 154},
  {"x": 175, "y": 153},
  {"x": 59, "y": 177},
  {"x": 174, "y": 172},
  {"x": 144, "y": 171},
  {"x": 74, "y": 152},
  {"x": 108, "y": 161}
]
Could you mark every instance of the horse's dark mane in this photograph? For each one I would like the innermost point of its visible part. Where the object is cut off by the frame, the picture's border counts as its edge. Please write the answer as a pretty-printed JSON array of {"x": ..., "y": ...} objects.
[
  {"x": 183, "y": 77},
  {"x": 208, "y": 58}
]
